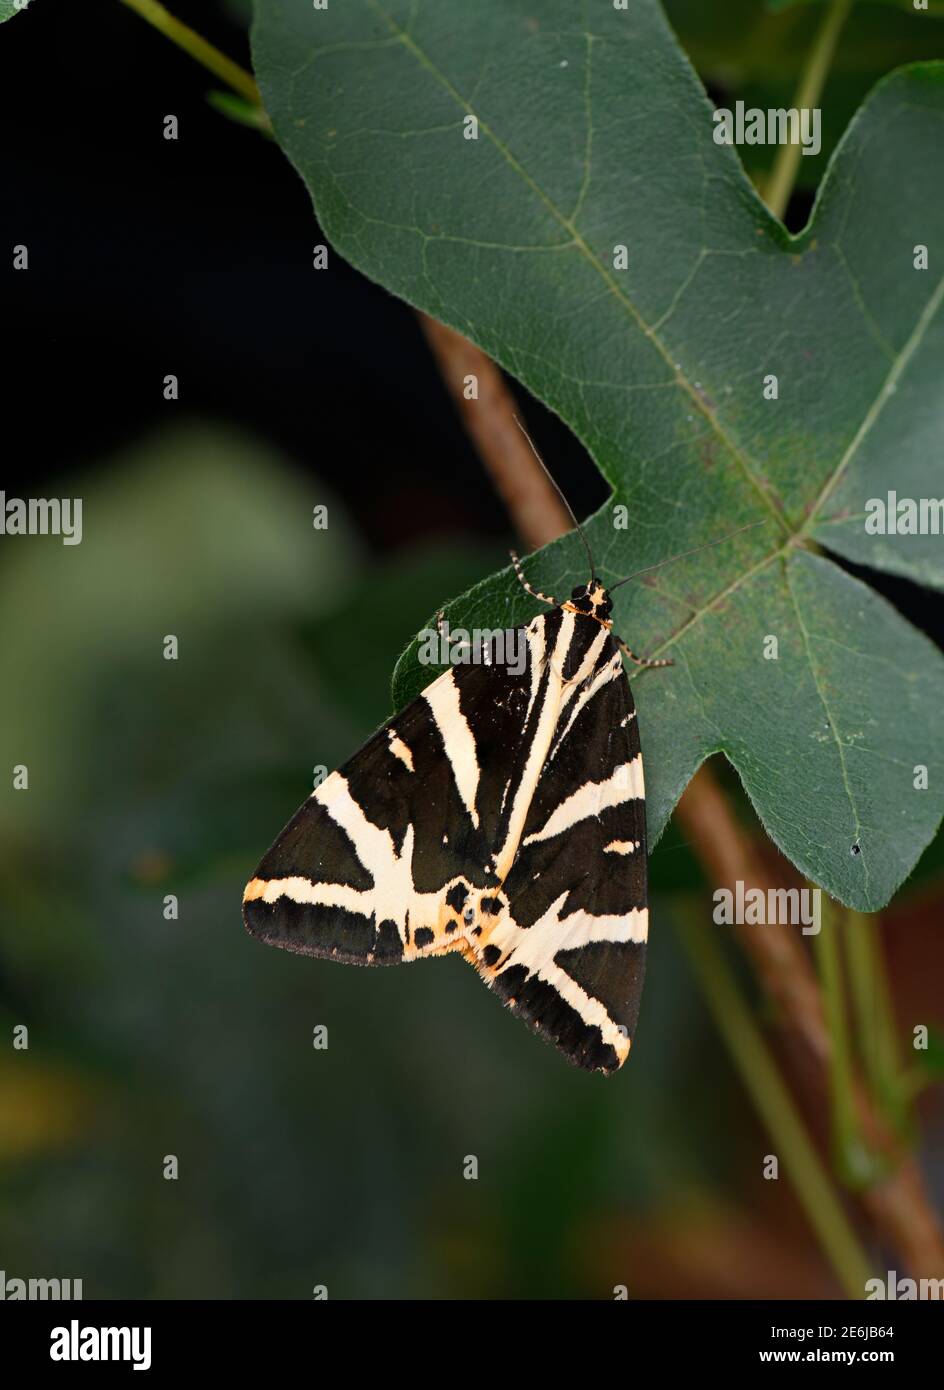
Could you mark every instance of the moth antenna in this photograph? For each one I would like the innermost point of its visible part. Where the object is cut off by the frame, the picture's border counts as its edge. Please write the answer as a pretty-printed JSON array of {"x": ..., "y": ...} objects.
[
  {"x": 694, "y": 551},
  {"x": 567, "y": 506}
]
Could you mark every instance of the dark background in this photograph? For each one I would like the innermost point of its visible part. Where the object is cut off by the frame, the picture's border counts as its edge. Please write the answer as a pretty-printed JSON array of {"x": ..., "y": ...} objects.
[
  {"x": 193, "y": 257},
  {"x": 150, "y": 1037}
]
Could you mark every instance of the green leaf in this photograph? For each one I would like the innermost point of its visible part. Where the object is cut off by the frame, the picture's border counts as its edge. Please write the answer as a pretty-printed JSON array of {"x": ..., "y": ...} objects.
[
  {"x": 593, "y": 132},
  {"x": 8, "y": 8}
]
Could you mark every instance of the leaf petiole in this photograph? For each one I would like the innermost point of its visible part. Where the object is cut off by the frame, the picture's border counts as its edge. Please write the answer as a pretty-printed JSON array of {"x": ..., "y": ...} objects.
[
  {"x": 199, "y": 48},
  {"x": 783, "y": 175}
]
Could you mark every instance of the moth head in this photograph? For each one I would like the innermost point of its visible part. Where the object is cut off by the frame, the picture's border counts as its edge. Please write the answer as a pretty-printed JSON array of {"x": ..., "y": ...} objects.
[{"x": 593, "y": 599}]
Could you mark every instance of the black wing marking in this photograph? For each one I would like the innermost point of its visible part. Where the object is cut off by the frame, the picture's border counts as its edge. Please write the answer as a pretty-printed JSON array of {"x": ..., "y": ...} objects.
[
  {"x": 387, "y": 857},
  {"x": 568, "y": 953}
]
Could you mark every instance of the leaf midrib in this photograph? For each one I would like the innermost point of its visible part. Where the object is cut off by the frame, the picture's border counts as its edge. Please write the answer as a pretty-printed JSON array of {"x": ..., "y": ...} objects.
[
  {"x": 586, "y": 251},
  {"x": 737, "y": 453}
]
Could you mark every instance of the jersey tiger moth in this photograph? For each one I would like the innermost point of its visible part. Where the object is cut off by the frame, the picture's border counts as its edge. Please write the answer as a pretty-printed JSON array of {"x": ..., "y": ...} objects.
[{"x": 500, "y": 815}]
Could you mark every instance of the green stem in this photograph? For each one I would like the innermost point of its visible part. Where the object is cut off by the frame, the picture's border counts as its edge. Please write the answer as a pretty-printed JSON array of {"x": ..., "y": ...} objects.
[
  {"x": 199, "y": 49},
  {"x": 875, "y": 1026},
  {"x": 812, "y": 80},
  {"x": 850, "y": 1152},
  {"x": 771, "y": 1099}
]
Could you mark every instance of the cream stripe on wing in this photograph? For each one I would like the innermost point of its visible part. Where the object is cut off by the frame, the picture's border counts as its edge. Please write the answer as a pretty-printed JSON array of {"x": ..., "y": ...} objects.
[
  {"x": 443, "y": 699},
  {"x": 609, "y": 672},
  {"x": 586, "y": 668},
  {"x": 303, "y": 890},
  {"x": 624, "y": 784},
  {"x": 537, "y": 644},
  {"x": 547, "y": 719},
  {"x": 536, "y": 637},
  {"x": 399, "y": 749},
  {"x": 374, "y": 847},
  {"x": 591, "y": 1011},
  {"x": 552, "y": 933},
  {"x": 536, "y": 948},
  {"x": 391, "y": 898}
]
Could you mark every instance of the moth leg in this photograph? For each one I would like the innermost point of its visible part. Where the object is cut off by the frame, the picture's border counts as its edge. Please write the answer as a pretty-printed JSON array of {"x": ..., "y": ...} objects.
[
  {"x": 641, "y": 660},
  {"x": 535, "y": 593}
]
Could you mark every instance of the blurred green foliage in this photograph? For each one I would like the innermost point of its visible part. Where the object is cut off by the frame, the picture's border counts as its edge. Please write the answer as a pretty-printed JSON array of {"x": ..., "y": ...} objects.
[{"x": 754, "y": 50}]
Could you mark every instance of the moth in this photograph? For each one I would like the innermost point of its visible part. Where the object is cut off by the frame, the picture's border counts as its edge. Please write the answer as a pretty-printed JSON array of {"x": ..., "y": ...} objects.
[{"x": 501, "y": 816}]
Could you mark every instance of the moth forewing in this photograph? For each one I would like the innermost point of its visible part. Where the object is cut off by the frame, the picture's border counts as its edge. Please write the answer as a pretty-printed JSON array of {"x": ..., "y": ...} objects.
[{"x": 500, "y": 814}]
